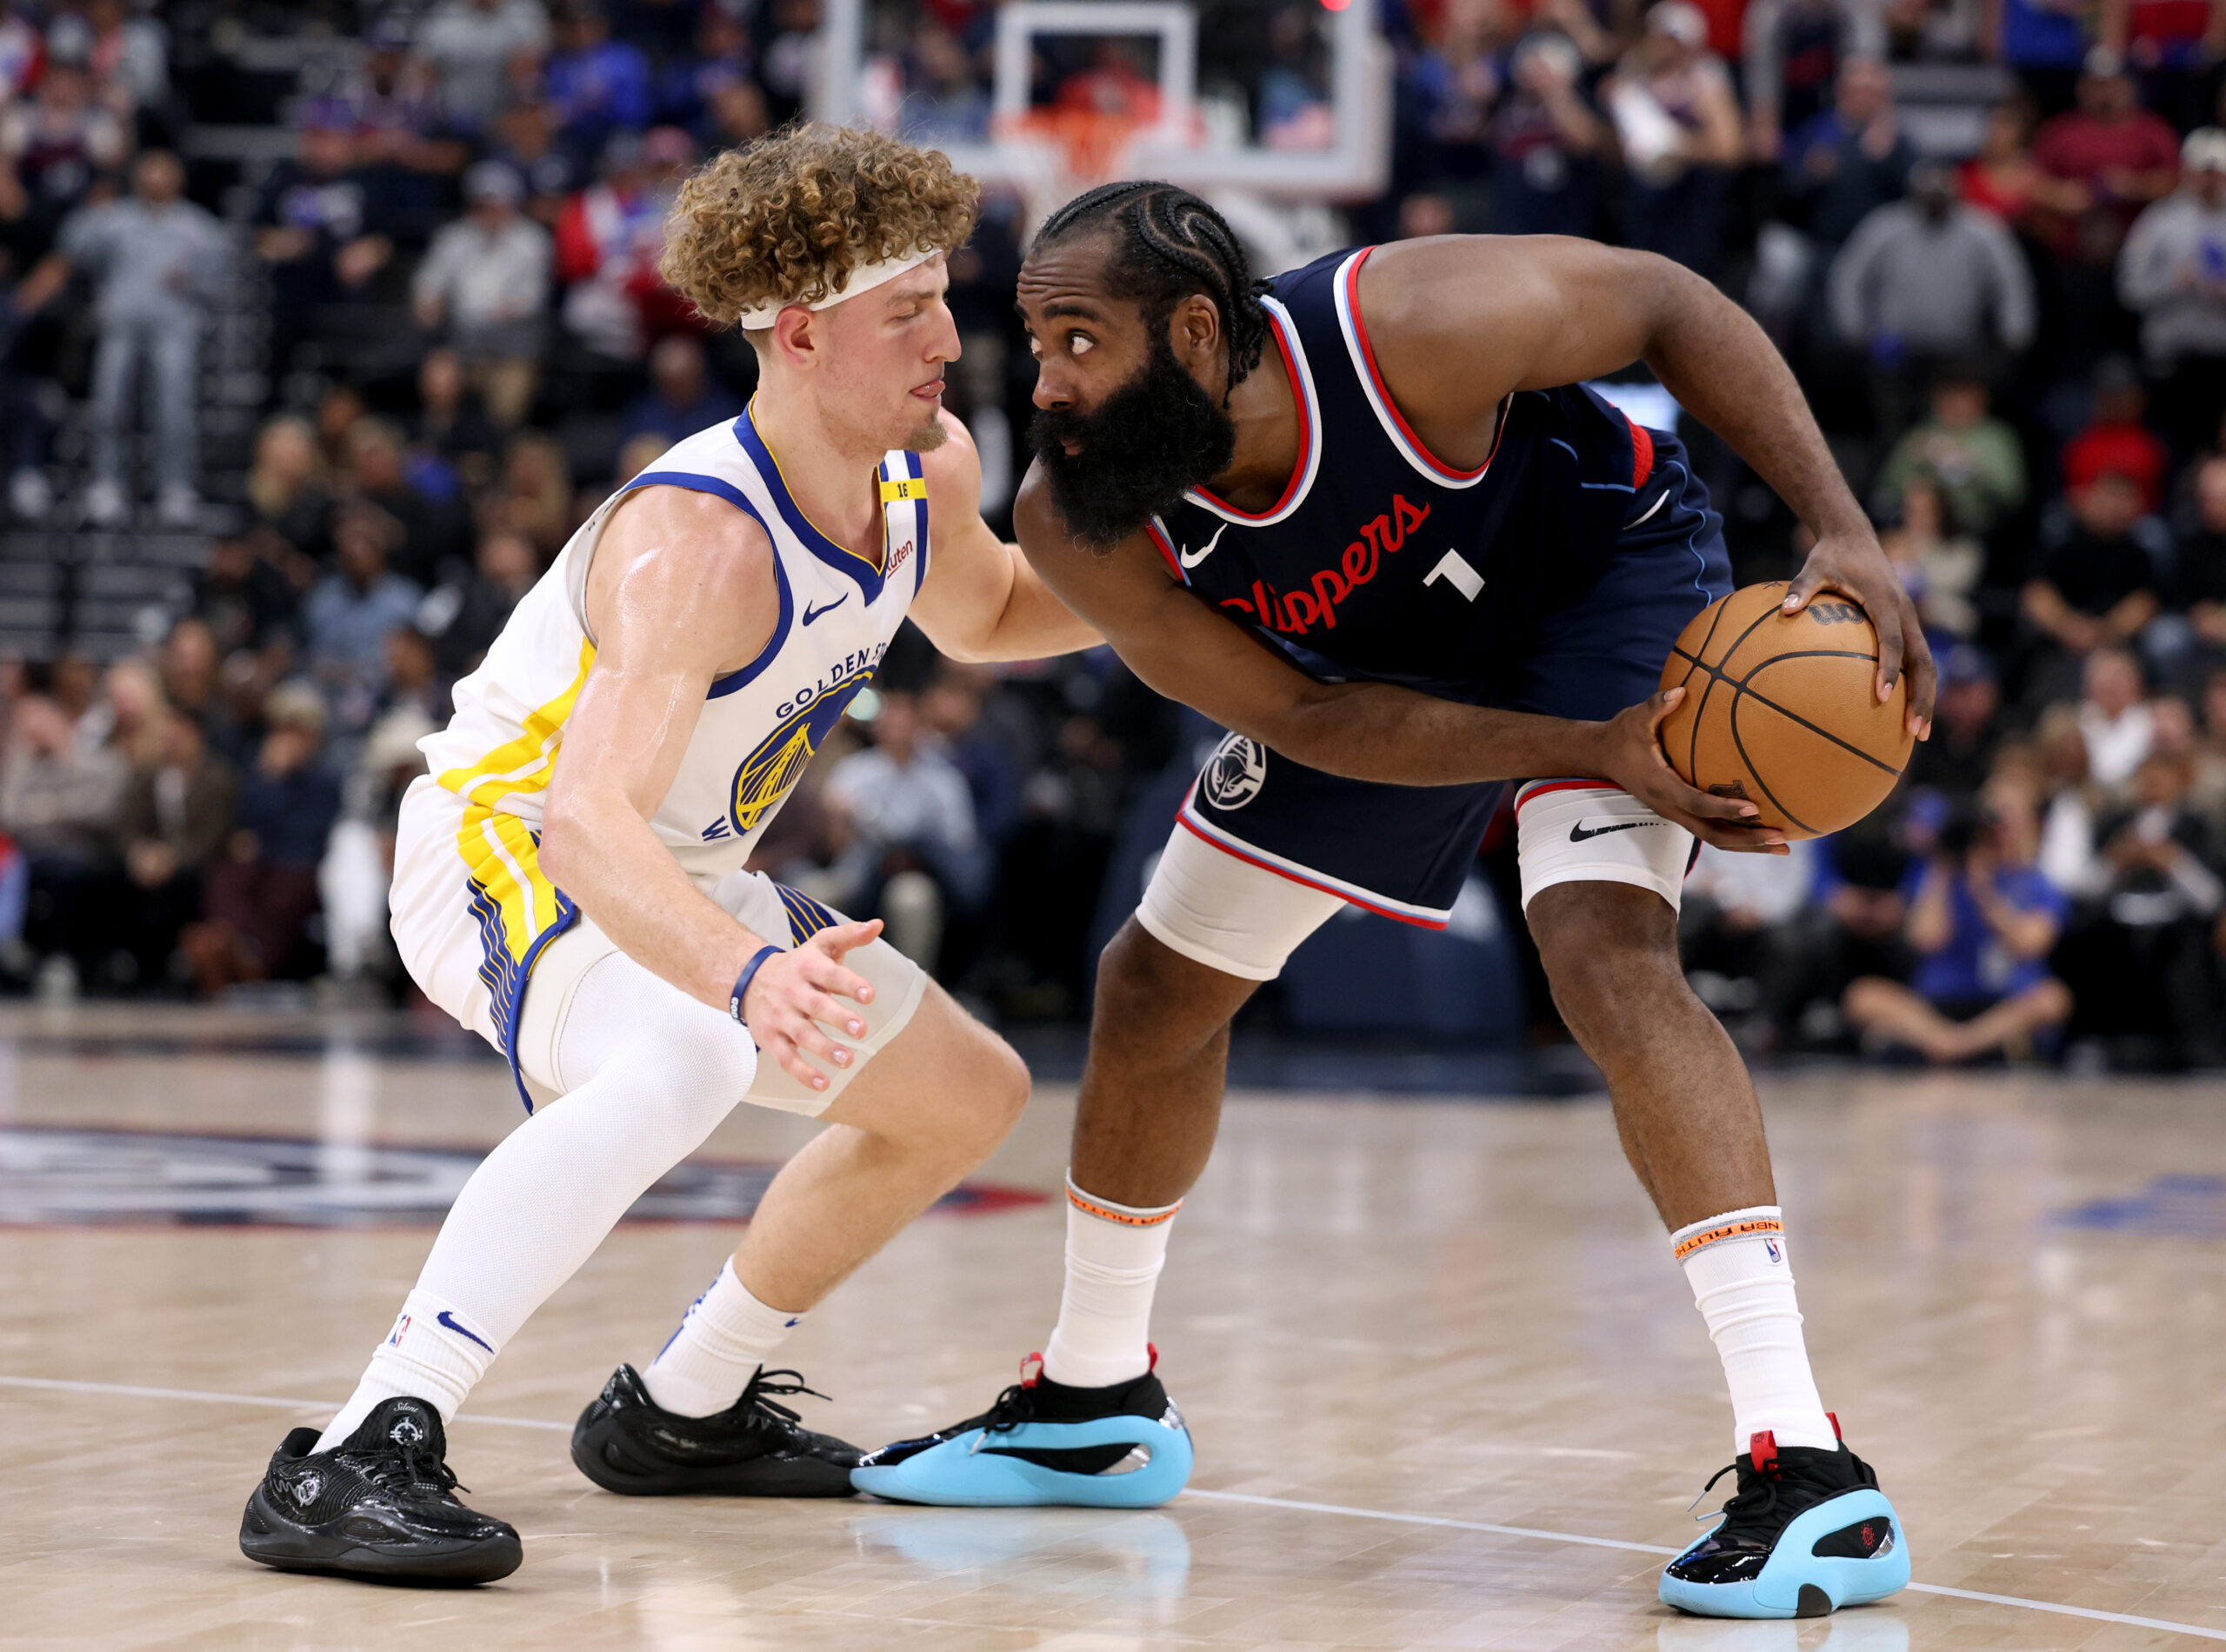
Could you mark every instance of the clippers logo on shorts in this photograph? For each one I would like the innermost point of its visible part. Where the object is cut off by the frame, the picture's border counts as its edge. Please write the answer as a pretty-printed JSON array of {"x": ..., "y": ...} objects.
[
  {"x": 1239, "y": 768},
  {"x": 808, "y": 716}
]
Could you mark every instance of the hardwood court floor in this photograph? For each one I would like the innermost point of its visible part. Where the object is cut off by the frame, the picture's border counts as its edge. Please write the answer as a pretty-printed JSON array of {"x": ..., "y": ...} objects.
[{"x": 1399, "y": 1329}]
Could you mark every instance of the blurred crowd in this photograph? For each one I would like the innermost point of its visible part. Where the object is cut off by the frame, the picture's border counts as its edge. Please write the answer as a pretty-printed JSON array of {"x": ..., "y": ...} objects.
[{"x": 2018, "y": 350}]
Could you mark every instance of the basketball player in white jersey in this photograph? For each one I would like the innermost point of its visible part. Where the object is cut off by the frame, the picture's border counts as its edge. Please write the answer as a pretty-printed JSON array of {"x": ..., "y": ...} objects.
[{"x": 570, "y": 883}]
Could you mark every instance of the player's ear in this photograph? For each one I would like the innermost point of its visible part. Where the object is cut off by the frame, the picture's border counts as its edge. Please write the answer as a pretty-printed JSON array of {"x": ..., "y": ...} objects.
[
  {"x": 795, "y": 335},
  {"x": 1195, "y": 328}
]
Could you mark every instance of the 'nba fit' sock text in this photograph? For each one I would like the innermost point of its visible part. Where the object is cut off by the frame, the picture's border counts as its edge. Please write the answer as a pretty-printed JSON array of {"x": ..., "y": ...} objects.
[
  {"x": 722, "y": 1341},
  {"x": 433, "y": 1354},
  {"x": 1114, "y": 1256},
  {"x": 1742, "y": 1282}
]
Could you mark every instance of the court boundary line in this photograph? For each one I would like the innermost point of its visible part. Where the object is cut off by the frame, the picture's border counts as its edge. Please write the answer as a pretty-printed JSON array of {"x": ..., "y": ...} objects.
[{"x": 275, "y": 1402}]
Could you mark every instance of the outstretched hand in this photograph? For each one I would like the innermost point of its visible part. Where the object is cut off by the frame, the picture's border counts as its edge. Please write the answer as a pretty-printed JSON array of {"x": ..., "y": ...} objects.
[
  {"x": 792, "y": 993},
  {"x": 1853, "y": 565},
  {"x": 1632, "y": 757}
]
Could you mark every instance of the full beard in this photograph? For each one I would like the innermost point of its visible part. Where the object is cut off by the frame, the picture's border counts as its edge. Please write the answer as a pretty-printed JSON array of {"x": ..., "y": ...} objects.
[{"x": 1156, "y": 435}]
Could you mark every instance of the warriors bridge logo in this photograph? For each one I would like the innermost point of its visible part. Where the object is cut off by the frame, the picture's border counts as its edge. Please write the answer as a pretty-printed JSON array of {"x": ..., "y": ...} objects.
[
  {"x": 1295, "y": 612},
  {"x": 808, "y": 716}
]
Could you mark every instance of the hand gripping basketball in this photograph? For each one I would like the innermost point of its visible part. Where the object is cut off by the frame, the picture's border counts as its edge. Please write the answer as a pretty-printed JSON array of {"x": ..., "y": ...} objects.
[
  {"x": 792, "y": 993},
  {"x": 1632, "y": 758}
]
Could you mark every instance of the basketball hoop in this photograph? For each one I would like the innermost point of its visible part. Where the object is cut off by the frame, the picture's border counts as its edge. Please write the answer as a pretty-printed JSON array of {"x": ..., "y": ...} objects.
[{"x": 1075, "y": 149}]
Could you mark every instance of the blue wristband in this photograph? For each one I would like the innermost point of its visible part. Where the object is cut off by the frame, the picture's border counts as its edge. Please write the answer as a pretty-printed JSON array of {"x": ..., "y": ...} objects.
[{"x": 749, "y": 973}]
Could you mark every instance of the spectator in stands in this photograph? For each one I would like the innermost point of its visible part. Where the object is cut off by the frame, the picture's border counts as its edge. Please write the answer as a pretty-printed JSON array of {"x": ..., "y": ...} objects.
[
  {"x": 451, "y": 425},
  {"x": 129, "y": 713},
  {"x": 2173, "y": 46},
  {"x": 1939, "y": 566},
  {"x": 1794, "y": 50},
  {"x": 989, "y": 756},
  {"x": 2173, "y": 274},
  {"x": 2201, "y": 563},
  {"x": 400, "y": 142},
  {"x": 791, "y": 57},
  {"x": 1544, "y": 138},
  {"x": 635, "y": 454},
  {"x": 2117, "y": 721},
  {"x": 472, "y": 45},
  {"x": 2098, "y": 586},
  {"x": 62, "y": 805},
  {"x": 241, "y": 597},
  {"x": 287, "y": 487},
  {"x": 431, "y": 532},
  {"x": 1850, "y": 160},
  {"x": 155, "y": 260},
  {"x": 346, "y": 619},
  {"x": 1959, "y": 758},
  {"x": 1731, "y": 925},
  {"x": 2043, "y": 43},
  {"x": 1982, "y": 922},
  {"x": 2121, "y": 156},
  {"x": 61, "y": 141},
  {"x": 262, "y": 890},
  {"x": 464, "y": 616},
  {"x": 524, "y": 139},
  {"x": 128, "y": 58},
  {"x": 536, "y": 492},
  {"x": 682, "y": 397},
  {"x": 2004, "y": 178},
  {"x": 1974, "y": 458},
  {"x": 1924, "y": 281},
  {"x": 484, "y": 285},
  {"x": 598, "y": 86},
  {"x": 738, "y": 115},
  {"x": 721, "y": 57},
  {"x": 905, "y": 821},
  {"x": 321, "y": 230},
  {"x": 608, "y": 242},
  {"x": 2116, "y": 438},
  {"x": 178, "y": 812},
  {"x": 943, "y": 101},
  {"x": 1678, "y": 122},
  {"x": 1851, "y": 928}
]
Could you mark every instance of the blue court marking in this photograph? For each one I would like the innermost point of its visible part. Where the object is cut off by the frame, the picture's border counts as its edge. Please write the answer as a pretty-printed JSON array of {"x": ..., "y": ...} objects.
[{"x": 2171, "y": 1207}]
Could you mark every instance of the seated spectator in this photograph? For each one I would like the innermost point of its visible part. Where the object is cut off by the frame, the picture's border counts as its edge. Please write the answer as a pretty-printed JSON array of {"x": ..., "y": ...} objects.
[
  {"x": 1924, "y": 281},
  {"x": 2115, "y": 436},
  {"x": 432, "y": 531},
  {"x": 322, "y": 230},
  {"x": 287, "y": 487},
  {"x": 524, "y": 139},
  {"x": 2120, "y": 157},
  {"x": 262, "y": 889},
  {"x": 129, "y": 714},
  {"x": 1848, "y": 161},
  {"x": 451, "y": 425},
  {"x": 1545, "y": 139},
  {"x": 2173, "y": 47},
  {"x": 990, "y": 752},
  {"x": 1959, "y": 758},
  {"x": 178, "y": 812},
  {"x": 682, "y": 397},
  {"x": 2071, "y": 801},
  {"x": 1981, "y": 922},
  {"x": 1940, "y": 568},
  {"x": 739, "y": 114},
  {"x": 1851, "y": 929},
  {"x": 156, "y": 261},
  {"x": 790, "y": 56},
  {"x": 2096, "y": 587},
  {"x": 2003, "y": 179},
  {"x": 1730, "y": 927},
  {"x": 62, "y": 140},
  {"x": 401, "y": 145},
  {"x": 635, "y": 454},
  {"x": 534, "y": 495},
  {"x": 464, "y": 617},
  {"x": 1974, "y": 458},
  {"x": 346, "y": 619},
  {"x": 904, "y": 821},
  {"x": 608, "y": 240},
  {"x": 944, "y": 103},
  {"x": 1678, "y": 122},
  {"x": 1794, "y": 52},
  {"x": 472, "y": 45},
  {"x": 2202, "y": 559},
  {"x": 2173, "y": 274},
  {"x": 598, "y": 86},
  {"x": 62, "y": 805},
  {"x": 2139, "y": 957},
  {"x": 2116, "y": 721},
  {"x": 484, "y": 286},
  {"x": 243, "y": 598}
]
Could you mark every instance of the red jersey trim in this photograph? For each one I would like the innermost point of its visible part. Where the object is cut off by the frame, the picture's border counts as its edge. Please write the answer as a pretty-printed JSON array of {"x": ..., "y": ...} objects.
[
  {"x": 1381, "y": 392},
  {"x": 1302, "y": 397}
]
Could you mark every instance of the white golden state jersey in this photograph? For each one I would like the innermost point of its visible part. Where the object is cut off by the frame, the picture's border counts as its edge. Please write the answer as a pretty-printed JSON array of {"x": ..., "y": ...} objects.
[{"x": 760, "y": 725}]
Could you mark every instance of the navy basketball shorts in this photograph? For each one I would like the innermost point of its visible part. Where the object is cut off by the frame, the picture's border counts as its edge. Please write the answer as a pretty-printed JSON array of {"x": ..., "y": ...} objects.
[{"x": 1266, "y": 850}]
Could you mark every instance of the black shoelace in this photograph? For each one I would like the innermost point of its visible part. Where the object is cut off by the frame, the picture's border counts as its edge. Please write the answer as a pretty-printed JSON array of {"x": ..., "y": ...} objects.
[
  {"x": 1014, "y": 1406},
  {"x": 766, "y": 1382},
  {"x": 1752, "y": 1516},
  {"x": 398, "y": 1465}
]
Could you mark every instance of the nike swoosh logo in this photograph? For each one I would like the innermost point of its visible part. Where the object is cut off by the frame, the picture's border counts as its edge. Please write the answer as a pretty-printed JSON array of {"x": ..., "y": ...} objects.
[
  {"x": 1188, "y": 560},
  {"x": 811, "y": 613},
  {"x": 1578, "y": 833},
  {"x": 442, "y": 1317}
]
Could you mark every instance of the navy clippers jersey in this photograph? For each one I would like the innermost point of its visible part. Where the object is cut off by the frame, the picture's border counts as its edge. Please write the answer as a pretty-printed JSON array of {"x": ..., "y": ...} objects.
[{"x": 1381, "y": 562}]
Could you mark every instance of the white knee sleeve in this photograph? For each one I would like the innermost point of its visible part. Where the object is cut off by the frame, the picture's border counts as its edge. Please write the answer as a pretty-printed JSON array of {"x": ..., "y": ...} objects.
[{"x": 1228, "y": 913}]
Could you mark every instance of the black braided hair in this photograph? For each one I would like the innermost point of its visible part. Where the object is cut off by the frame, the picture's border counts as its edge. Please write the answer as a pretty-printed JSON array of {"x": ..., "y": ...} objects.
[{"x": 1168, "y": 244}]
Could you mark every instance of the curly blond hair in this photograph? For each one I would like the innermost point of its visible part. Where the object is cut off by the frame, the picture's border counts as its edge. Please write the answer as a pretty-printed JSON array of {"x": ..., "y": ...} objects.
[{"x": 786, "y": 219}]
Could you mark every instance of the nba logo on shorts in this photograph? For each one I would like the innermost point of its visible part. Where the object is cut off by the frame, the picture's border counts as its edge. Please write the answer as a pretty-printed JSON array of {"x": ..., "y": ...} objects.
[
  {"x": 1237, "y": 771},
  {"x": 1772, "y": 1248}
]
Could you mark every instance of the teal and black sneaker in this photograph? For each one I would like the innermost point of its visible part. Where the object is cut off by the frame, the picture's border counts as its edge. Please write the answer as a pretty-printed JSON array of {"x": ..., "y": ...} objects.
[
  {"x": 1123, "y": 1447},
  {"x": 1807, "y": 1533}
]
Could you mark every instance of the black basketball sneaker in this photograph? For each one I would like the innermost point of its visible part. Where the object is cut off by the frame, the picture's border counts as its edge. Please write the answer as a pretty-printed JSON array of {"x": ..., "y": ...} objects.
[
  {"x": 625, "y": 1441},
  {"x": 381, "y": 1505},
  {"x": 1807, "y": 1532},
  {"x": 1121, "y": 1447}
]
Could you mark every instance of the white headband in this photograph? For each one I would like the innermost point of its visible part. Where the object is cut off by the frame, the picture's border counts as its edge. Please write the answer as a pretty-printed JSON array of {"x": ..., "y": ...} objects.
[{"x": 864, "y": 279}]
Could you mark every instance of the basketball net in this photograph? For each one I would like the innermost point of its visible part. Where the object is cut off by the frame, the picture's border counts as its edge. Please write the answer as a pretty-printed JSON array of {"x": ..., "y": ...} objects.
[{"x": 1070, "y": 151}]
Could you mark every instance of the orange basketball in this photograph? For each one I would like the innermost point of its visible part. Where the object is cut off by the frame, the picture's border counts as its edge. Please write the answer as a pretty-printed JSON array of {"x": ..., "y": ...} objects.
[{"x": 1780, "y": 710}]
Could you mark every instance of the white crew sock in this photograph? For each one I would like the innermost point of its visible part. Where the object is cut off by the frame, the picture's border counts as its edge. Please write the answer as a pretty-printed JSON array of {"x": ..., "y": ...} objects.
[
  {"x": 1114, "y": 1256},
  {"x": 652, "y": 1073},
  {"x": 725, "y": 1335},
  {"x": 1742, "y": 1282}
]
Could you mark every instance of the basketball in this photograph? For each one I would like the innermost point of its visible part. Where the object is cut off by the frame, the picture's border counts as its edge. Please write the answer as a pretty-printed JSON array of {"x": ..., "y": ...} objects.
[{"x": 1780, "y": 710}]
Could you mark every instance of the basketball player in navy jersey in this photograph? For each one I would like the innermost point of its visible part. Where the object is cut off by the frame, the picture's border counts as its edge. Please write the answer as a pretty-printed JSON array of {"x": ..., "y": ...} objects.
[{"x": 1368, "y": 516}]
